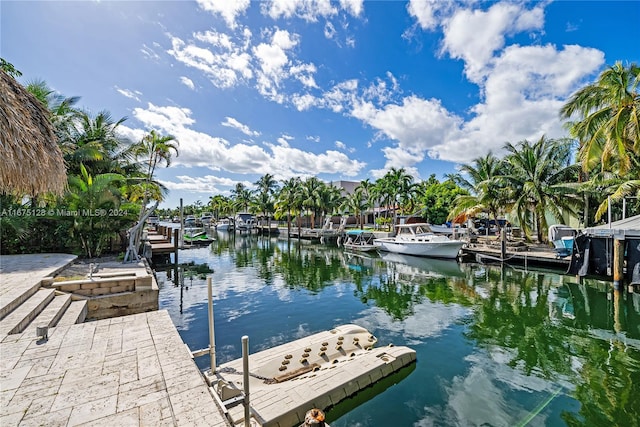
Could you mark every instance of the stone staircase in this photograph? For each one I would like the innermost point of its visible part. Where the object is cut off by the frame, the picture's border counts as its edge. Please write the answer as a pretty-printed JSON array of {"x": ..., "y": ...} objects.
[{"x": 35, "y": 307}]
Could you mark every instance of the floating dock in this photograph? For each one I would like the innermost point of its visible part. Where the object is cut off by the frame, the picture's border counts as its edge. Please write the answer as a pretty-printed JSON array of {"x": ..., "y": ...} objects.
[{"x": 313, "y": 372}]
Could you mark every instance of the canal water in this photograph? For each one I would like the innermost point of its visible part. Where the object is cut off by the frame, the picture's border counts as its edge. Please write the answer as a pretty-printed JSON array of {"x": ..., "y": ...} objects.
[{"x": 495, "y": 346}]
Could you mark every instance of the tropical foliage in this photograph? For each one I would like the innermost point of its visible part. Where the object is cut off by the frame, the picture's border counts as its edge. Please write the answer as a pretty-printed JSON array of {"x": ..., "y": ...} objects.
[
  {"x": 532, "y": 183},
  {"x": 108, "y": 185}
]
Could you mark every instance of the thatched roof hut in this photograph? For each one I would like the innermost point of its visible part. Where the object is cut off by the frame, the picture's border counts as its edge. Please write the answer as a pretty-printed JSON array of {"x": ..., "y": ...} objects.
[{"x": 31, "y": 162}]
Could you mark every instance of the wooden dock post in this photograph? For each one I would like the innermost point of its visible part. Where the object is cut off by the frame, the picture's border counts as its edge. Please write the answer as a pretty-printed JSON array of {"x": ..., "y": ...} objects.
[{"x": 618, "y": 263}]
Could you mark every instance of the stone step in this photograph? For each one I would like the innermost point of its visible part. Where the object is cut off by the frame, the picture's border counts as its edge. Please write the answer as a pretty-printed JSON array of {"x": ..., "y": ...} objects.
[
  {"x": 52, "y": 313},
  {"x": 13, "y": 297},
  {"x": 75, "y": 313},
  {"x": 20, "y": 318}
]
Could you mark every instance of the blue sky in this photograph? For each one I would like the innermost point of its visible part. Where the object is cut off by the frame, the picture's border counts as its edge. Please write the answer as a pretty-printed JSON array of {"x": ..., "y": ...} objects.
[{"x": 341, "y": 90}]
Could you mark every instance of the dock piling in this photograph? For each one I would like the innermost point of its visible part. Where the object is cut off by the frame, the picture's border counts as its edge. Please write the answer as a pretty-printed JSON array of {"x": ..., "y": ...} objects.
[
  {"x": 618, "y": 262},
  {"x": 212, "y": 342},
  {"x": 245, "y": 380}
]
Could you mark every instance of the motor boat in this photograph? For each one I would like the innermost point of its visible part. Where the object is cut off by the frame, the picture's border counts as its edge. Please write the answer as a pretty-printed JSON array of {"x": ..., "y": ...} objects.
[
  {"x": 245, "y": 222},
  {"x": 419, "y": 240},
  {"x": 224, "y": 224},
  {"x": 359, "y": 241}
]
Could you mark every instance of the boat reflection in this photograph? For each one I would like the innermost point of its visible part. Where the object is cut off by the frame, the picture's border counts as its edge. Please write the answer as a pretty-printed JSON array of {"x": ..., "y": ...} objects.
[{"x": 421, "y": 266}]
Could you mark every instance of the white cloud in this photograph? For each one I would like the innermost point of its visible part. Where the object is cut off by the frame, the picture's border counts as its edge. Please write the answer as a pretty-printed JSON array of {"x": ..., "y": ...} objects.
[
  {"x": 200, "y": 149},
  {"x": 228, "y": 9},
  {"x": 429, "y": 13},
  {"x": 309, "y": 10},
  {"x": 187, "y": 82},
  {"x": 207, "y": 184},
  {"x": 233, "y": 123},
  {"x": 417, "y": 124},
  {"x": 341, "y": 145},
  {"x": 474, "y": 35},
  {"x": 523, "y": 93},
  {"x": 133, "y": 94},
  {"x": 329, "y": 30},
  {"x": 354, "y": 7},
  {"x": 304, "y": 102},
  {"x": 225, "y": 60}
]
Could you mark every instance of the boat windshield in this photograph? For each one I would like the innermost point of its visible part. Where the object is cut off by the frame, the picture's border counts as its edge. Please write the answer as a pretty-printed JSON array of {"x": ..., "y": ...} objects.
[{"x": 414, "y": 230}]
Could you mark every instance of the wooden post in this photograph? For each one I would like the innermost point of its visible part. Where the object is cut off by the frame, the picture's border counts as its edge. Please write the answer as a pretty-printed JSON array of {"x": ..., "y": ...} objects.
[
  {"x": 618, "y": 263},
  {"x": 503, "y": 244}
]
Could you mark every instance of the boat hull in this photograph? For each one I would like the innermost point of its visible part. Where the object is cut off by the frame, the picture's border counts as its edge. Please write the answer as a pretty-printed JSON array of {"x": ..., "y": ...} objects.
[
  {"x": 442, "y": 249},
  {"x": 360, "y": 247}
]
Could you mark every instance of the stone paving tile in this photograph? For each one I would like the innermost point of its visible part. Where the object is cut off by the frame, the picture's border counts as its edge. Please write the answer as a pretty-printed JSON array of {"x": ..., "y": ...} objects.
[
  {"x": 126, "y": 371},
  {"x": 153, "y": 413},
  {"x": 94, "y": 410},
  {"x": 121, "y": 419}
]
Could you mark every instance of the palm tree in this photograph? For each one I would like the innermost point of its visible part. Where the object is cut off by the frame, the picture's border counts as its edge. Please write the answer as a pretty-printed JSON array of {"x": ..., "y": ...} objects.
[
  {"x": 329, "y": 199},
  {"x": 608, "y": 125},
  {"x": 399, "y": 185},
  {"x": 486, "y": 184},
  {"x": 154, "y": 149},
  {"x": 63, "y": 112},
  {"x": 368, "y": 192},
  {"x": 94, "y": 141},
  {"x": 91, "y": 198},
  {"x": 312, "y": 191},
  {"x": 264, "y": 199},
  {"x": 285, "y": 200},
  {"x": 355, "y": 203},
  {"x": 537, "y": 175},
  {"x": 383, "y": 193},
  {"x": 241, "y": 196},
  {"x": 220, "y": 205}
]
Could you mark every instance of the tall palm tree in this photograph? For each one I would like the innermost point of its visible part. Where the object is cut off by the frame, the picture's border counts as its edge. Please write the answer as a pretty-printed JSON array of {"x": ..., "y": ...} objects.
[
  {"x": 356, "y": 204},
  {"x": 608, "y": 122},
  {"x": 286, "y": 200},
  {"x": 312, "y": 191},
  {"x": 153, "y": 149},
  {"x": 400, "y": 186},
  {"x": 368, "y": 192},
  {"x": 264, "y": 199},
  {"x": 241, "y": 196},
  {"x": 484, "y": 180},
  {"x": 538, "y": 175},
  {"x": 220, "y": 205},
  {"x": 383, "y": 192},
  {"x": 329, "y": 200}
]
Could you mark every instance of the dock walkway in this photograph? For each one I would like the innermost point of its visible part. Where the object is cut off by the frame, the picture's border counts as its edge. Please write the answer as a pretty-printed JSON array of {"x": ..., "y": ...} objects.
[{"x": 126, "y": 371}]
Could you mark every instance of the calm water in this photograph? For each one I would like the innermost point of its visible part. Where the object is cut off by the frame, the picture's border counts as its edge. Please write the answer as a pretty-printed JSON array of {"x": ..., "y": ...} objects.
[{"x": 495, "y": 347}]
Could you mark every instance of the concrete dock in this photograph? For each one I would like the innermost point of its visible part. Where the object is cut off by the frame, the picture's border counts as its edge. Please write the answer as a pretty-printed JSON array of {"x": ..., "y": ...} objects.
[{"x": 126, "y": 371}]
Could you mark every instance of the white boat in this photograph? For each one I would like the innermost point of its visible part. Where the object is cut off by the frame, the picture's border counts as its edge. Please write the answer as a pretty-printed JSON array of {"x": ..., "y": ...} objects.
[
  {"x": 418, "y": 239},
  {"x": 224, "y": 224},
  {"x": 245, "y": 222},
  {"x": 206, "y": 219},
  {"x": 360, "y": 241}
]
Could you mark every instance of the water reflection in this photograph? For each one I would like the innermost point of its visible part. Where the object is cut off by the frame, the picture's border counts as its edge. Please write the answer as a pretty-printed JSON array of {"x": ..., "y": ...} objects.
[{"x": 496, "y": 346}]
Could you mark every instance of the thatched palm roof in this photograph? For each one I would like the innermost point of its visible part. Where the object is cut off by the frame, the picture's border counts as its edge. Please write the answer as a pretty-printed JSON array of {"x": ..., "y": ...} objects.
[{"x": 31, "y": 162}]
